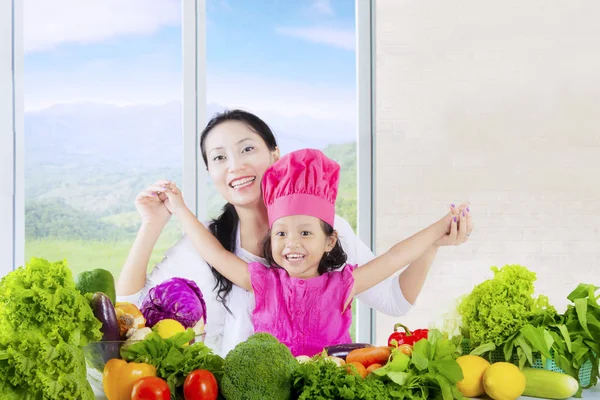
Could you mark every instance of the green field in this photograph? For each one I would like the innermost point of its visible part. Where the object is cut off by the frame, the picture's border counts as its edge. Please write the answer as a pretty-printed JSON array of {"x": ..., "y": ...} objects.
[{"x": 84, "y": 255}]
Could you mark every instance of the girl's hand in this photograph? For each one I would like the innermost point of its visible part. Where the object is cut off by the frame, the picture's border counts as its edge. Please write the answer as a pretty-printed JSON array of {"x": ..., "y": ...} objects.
[
  {"x": 152, "y": 204},
  {"x": 174, "y": 197},
  {"x": 460, "y": 225}
]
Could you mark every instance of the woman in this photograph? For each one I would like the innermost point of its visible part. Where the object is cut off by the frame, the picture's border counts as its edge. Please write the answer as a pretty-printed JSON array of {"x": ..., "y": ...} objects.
[{"x": 237, "y": 148}]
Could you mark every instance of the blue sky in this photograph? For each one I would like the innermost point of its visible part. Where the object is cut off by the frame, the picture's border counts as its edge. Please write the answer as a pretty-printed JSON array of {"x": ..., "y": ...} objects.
[
  {"x": 288, "y": 57},
  {"x": 293, "y": 39}
]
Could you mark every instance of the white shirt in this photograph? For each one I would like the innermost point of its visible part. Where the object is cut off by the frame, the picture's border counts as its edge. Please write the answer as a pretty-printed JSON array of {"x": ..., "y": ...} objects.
[{"x": 225, "y": 330}]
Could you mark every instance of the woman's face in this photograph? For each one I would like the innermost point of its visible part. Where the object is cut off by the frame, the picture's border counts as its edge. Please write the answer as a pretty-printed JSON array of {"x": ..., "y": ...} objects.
[{"x": 237, "y": 158}]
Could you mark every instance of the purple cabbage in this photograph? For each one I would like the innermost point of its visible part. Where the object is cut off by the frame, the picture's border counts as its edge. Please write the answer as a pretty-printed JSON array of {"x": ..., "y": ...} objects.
[{"x": 176, "y": 298}]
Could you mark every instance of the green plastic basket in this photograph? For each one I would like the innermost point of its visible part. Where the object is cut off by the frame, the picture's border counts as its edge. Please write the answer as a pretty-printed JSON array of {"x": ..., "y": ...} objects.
[{"x": 585, "y": 372}]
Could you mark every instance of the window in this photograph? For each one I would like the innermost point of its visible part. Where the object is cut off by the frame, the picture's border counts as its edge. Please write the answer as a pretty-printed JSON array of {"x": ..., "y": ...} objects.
[
  {"x": 103, "y": 96},
  {"x": 103, "y": 120},
  {"x": 294, "y": 65}
]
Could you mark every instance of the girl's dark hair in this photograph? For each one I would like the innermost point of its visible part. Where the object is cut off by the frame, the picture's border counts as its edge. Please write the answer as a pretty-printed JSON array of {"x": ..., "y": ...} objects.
[
  {"x": 330, "y": 260},
  {"x": 224, "y": 227}
]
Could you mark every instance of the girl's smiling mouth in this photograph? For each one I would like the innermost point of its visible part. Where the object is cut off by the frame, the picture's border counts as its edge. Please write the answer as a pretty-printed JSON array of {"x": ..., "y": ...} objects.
[{"x": 294, "y": 257}]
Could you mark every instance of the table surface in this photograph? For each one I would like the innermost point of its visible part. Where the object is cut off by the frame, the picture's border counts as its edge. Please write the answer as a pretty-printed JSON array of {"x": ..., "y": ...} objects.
[{"x": 593, "y": 393}]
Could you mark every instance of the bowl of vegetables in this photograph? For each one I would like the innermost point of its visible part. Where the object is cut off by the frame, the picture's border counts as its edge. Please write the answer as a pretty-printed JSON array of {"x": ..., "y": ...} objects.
[
  {"x": 98, "y": 353},
  {"x": 96, "y": 356}
]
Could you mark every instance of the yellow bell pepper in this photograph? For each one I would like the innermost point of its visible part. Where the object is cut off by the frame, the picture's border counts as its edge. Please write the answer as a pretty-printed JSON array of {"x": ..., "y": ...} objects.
[{"x": 119, "y": 376}]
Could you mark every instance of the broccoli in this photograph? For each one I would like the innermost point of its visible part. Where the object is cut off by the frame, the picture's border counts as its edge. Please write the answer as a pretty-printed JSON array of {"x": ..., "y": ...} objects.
[{"x": 259, "y": 368}]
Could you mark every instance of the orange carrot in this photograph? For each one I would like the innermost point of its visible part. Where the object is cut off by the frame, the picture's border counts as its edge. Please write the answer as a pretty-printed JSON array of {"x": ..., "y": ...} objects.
[
  {"x": 358, "y": 368},
  {"x": 373, "y": 367},
  {"x": 369, "y": 355}
]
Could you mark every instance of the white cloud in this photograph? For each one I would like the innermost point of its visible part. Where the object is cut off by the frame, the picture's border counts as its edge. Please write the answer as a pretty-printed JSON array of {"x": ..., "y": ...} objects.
[
  {"x": 323, "y": 7},
  {"x": 48, "y": 24},
  {"x": 318, "y": 100},
  {"x": 145, "y": 80},
  {"x": 342, "y": 38},
  {"x": 108, "y": 82}
]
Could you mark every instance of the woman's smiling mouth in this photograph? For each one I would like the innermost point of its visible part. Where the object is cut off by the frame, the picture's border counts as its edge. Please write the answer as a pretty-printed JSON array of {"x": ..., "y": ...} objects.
[{"x": 243, "y": 182}]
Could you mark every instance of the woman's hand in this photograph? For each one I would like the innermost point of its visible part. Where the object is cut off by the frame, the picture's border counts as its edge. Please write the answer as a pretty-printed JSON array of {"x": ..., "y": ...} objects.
[
  {"x": 153, "y": 205},
  {"x": 460, "y": 225}
]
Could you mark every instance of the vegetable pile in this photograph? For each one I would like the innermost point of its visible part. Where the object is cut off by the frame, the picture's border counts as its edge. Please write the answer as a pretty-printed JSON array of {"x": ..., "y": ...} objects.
[
  {"x": 44, "y": 322},
  {"x": 149, "y": 354},
  {"x": 501, "y": 313},
  {"x": 47, "y": 318},
  {"x": 431, "y": 371},
  {"x": 174, "y": 359}
]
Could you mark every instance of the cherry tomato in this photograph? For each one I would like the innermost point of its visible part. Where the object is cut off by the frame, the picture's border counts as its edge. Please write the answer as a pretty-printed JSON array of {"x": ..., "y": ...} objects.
[
  {"x": 200, "y": 384},
  {"x": 150, "y": 388}
]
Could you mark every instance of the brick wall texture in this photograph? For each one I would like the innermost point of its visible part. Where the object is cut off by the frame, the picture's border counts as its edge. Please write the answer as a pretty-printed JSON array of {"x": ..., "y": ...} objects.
[{"x": 497, "y": 103}]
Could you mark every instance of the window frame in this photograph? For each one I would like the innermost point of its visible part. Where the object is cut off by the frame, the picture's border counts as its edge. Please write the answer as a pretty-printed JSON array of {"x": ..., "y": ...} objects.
[
  {"x": 365, "y": 147},
  {"x": 195, "y": 176},
  {"x": 12, "y": 205}
]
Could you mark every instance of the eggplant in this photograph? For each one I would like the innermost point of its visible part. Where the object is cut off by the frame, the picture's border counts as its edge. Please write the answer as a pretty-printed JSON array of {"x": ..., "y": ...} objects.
[
  {"x": 342, "y": 350},
  {"x": 104, "y": 311}
]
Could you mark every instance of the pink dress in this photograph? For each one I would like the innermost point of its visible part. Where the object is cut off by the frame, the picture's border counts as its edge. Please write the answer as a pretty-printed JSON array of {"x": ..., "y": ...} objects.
[{"x": 304, "y": 314}]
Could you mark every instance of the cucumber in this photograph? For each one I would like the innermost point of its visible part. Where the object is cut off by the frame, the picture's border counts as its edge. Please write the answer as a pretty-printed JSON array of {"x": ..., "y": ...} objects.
[
  {"x": 549, "y": 384},
  {"x": 104, "y": 311}
]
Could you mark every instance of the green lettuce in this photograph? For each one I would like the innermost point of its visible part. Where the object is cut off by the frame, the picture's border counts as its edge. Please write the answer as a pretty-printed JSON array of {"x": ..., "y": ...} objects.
[
  {"x": 44, "y": 323},
  {"x": 499, "y": 307}
]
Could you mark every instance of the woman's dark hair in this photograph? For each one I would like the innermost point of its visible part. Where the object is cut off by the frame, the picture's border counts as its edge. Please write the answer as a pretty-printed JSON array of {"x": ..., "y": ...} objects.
[
  {"x": 224, "y": 227},
  {"x": 250, "y": 120},
  {"x": 330, "y": 260}
]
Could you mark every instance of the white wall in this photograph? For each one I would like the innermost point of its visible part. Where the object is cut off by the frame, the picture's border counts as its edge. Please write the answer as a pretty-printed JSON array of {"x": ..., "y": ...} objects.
[{"x": 497, "y": 103}]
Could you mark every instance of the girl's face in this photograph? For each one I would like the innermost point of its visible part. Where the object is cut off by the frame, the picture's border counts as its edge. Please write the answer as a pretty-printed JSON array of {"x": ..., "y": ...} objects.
[
  {"x": 298, "y": 244},
  {"x": 237, "y": 158}
]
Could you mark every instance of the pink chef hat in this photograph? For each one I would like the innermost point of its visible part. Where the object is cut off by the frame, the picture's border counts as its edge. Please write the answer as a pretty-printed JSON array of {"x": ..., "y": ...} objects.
[{"x": 304, "y": 182}]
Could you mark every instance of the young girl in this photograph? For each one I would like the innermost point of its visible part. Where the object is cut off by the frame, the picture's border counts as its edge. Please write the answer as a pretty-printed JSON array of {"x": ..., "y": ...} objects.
[{"x": 300, "y": 298}]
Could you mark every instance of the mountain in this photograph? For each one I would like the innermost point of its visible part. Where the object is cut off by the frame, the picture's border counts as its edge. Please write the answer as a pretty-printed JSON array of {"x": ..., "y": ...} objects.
[
  {"x": 85, "y": 163},
  {"x": 87, "y": 136}
]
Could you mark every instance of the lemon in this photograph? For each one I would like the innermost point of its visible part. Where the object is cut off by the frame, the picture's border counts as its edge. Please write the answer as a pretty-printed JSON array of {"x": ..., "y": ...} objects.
[
  {"x": 168, "y": 327},
  {"x": 504, "y": 381},
  {"x": 473, "y": 368}
]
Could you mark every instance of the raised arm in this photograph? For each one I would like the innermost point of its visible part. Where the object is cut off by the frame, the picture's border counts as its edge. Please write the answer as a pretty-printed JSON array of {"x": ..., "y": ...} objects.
[
  {"x": 155, "y": 215},
  {"x": 228, "y": 264},
  {"x": 385, "y": 297},
  {"x": 400, "y": 255},
  {"x": 413, "y": 277}
]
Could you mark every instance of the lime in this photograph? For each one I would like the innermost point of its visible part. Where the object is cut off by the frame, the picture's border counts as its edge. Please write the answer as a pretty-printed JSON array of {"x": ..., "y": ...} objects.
[{"x": 96, "y": 280}]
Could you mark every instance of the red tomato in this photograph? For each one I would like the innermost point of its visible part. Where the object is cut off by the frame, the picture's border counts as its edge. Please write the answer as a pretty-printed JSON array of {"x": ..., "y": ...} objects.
[
  {"x": 200, "y": 384},
  {"x": 150, "y": 388}
]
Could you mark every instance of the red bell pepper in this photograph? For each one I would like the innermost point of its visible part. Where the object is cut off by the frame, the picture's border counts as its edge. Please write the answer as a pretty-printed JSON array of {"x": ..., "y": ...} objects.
[{"x": 407, "y": 337}]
